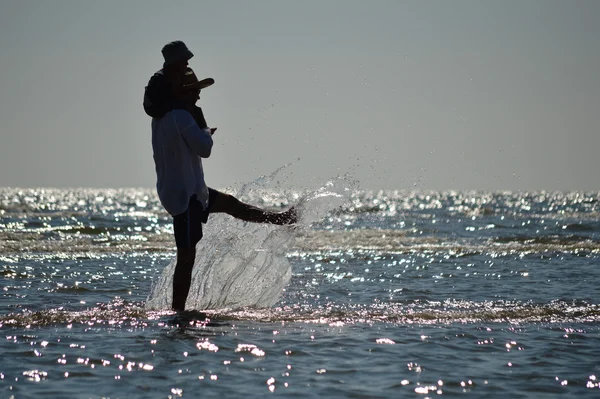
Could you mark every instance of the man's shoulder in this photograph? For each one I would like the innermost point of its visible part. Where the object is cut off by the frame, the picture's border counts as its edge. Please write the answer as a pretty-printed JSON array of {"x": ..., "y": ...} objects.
[{"x": 181, "y": 116}]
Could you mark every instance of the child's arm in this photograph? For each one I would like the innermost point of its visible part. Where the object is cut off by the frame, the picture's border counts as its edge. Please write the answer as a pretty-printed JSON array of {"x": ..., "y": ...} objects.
[{"x": 199, "y": 118}]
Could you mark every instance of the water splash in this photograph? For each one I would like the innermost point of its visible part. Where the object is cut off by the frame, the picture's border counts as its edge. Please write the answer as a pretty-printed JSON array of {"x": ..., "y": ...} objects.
[{"x": 240, "y": 264}]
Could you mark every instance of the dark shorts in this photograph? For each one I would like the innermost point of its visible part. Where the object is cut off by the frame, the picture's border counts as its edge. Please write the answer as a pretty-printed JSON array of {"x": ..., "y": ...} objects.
[{"x": 188, "y": 225}]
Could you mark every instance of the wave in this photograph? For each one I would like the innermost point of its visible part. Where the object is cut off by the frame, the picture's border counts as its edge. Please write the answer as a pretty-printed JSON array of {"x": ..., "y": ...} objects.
[
  {"x": 580, "y": 227},
  {"x": 121, "y": 313},
  {"x": 430, "y": 313},
  {"x": 45, "y": 201},
  {"x": 303, "y": 241},
  {"x": 550, "y": 240}
]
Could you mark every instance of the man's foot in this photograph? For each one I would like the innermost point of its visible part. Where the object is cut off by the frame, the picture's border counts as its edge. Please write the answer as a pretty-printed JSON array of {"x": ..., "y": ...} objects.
[{"x": 288, "y": 217}]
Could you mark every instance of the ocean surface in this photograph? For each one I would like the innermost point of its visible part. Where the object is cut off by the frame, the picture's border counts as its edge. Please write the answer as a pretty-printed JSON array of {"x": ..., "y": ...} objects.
[{"x": 379, "y": 294}]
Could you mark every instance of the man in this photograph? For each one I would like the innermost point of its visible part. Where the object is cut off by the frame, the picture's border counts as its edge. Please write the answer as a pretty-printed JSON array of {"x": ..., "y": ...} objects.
[{"x": 180, "y": 138}]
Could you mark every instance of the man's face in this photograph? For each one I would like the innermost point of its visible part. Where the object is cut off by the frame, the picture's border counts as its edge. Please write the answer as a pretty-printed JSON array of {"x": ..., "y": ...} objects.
[
  {"x": 191, "y": 96},
  {"x": 195, "y": 95}
]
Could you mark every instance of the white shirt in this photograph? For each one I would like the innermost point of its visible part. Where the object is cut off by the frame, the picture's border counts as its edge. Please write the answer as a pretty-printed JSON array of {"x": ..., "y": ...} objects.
[{"x": 179, "y": 146}]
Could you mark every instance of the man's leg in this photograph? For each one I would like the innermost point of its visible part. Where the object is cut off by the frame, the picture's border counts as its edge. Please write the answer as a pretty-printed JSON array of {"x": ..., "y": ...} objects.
[
  {"x": 182, "y": 278},
  {"x": 188, "y": 231},
  {"x": 230, "y": 205}
]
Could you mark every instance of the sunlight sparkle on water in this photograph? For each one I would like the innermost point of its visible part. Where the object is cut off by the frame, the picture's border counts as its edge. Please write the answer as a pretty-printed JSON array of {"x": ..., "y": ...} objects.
[
  {"x": 206, "y": 345},
  {"x": 253, "y": 349}
]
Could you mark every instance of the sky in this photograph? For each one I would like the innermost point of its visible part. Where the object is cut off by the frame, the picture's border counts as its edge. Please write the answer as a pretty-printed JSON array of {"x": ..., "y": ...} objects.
[{"x": 402, "y": 95}]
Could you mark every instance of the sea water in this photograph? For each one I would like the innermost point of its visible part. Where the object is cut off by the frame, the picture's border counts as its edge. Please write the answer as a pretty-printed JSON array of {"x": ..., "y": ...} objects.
[{"x": 374, "y": 294}]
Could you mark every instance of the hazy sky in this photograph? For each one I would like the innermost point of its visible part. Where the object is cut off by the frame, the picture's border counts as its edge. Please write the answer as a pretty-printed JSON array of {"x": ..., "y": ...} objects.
[{"x": 400, "y": 94}]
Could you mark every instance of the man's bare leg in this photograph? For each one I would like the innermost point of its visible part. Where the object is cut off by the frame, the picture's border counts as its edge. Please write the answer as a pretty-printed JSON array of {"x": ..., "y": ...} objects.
[
  {"x": 230, "y": 205},
  {"x": 182, "y": 278}
]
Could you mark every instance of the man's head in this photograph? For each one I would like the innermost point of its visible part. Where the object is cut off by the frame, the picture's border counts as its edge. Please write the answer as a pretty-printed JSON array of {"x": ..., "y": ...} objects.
[
  {"x": 176, "y": 55},
  {"x": 189, "y": 91}
]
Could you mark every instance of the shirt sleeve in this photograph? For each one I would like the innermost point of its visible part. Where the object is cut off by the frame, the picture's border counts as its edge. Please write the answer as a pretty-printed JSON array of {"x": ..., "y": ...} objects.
[{"x": 198, "y": 140}]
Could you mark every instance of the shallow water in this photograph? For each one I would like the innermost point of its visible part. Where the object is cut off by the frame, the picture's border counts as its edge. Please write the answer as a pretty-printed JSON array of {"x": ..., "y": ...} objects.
[{"x": 391, "y": 294}]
